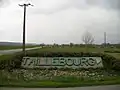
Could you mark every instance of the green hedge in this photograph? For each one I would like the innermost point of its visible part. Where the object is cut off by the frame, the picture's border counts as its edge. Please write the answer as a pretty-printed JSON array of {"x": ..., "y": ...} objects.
[{"x": 15, "y": 61}]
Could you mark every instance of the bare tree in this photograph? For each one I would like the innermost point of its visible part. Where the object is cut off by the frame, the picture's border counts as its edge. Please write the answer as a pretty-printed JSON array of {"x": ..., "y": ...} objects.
[
  {"x": 71, "y": 44},
  {"x": 87, "y": 38}
]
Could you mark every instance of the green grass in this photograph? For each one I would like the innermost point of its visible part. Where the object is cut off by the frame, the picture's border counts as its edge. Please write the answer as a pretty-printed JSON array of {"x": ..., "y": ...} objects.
[
  {"x": 70, "y": 49},
  {"x": 71, "y": 82},
  {"x": 116, "y": 55},
  {"x": 15, "y": 47},
  {"x": 79, "y": 49},
  {"x": 54, "y": 84},
  {"x": 6, "y": 57},
  {"x": 73, "y": 49}
]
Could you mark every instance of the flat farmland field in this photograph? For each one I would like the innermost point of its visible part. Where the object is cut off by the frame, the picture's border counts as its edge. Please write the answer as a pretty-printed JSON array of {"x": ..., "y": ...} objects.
[{"x": 110, "y": 51}]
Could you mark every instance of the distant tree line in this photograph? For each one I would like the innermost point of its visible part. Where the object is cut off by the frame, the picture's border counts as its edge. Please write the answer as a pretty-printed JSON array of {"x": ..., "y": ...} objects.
[{"x": 88, "y": 41}]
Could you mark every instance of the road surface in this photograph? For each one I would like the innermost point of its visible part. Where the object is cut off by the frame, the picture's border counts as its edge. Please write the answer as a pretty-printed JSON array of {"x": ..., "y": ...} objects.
[
  {"x": 2, "y": 52},
  {"x": 112, "y": 87}
]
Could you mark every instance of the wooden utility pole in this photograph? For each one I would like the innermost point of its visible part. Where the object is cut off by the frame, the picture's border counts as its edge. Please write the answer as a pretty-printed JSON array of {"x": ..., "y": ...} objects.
[
  {"x": 105, "y": 37},
  {"x": 24, "y": 21}
]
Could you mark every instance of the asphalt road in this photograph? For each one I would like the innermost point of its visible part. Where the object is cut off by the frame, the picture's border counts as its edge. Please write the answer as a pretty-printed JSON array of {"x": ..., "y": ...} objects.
[
  {"x": 15, "y": 50},
  {"x": 112, "y": 87}
]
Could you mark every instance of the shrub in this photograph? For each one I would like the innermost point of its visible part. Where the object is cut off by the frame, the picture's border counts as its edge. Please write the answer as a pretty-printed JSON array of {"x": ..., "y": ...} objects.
[
  {"x": 15, "y": 61},
  {"x": 116, "y": 65}
]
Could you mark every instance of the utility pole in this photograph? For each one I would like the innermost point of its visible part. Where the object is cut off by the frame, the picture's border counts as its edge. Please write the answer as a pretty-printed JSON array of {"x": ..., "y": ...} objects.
[
  {"x": 105, "y": 39},
  {"x": 24, "y": 21}
]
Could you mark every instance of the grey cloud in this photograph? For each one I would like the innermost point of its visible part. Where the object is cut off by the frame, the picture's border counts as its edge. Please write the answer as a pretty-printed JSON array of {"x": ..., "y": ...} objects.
[
  {"x": 113, "y": 4},
  {"x": 107, "y": 4},
  {"x": 4, "y": 3},
  {"x": 63, "y": 25},
  {"x": 65, "y": 4},
  {"x": 42, "y": 8},
  {"x": 79, "y": 4},
  {"x": 69, "y": 25},
  {"x": 49, "y": 11}
]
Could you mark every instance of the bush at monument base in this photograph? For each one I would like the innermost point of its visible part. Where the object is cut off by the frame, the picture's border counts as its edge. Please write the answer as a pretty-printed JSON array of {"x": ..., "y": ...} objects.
[{"x": 58, "y": 75}]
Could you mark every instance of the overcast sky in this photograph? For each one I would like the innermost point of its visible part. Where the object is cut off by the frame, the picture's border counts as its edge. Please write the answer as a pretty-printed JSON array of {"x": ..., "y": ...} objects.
[{"x": 60, "y": 21}]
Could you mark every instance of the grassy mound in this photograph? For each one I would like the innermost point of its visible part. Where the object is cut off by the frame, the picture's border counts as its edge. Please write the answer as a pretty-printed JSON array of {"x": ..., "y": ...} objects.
[{"x": 12, "y": 75}]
